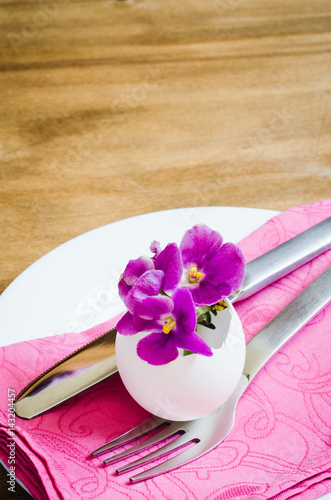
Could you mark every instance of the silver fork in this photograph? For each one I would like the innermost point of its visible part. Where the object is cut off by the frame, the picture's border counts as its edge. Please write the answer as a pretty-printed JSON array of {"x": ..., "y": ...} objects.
[{"x": 206, "y": 432}]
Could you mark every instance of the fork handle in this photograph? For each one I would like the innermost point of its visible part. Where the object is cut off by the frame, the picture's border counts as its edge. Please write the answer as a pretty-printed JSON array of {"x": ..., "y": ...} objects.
[
  {"x": 283, "y": 326},
  {"x": 283, "y": 259}
]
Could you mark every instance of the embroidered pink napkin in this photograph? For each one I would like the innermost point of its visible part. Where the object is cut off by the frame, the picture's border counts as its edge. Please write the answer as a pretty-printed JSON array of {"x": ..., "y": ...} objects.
[{"x": 280, "y": 446}]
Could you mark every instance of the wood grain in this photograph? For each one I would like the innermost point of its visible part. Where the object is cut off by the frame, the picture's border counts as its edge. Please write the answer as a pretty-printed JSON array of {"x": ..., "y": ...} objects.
[{"x": 111, "y": 109}]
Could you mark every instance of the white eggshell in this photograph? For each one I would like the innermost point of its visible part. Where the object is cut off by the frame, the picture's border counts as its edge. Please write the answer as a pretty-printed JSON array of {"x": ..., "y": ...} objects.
[{"x": 190, "y": 386}]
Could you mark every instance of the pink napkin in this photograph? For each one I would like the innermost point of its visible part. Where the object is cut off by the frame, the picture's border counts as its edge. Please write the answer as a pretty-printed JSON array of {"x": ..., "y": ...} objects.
[{"x": 280, "y": 446}]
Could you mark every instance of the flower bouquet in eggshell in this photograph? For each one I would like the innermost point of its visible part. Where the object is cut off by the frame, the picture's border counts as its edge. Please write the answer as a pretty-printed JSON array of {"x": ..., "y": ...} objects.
[{"x": 181, "y": 347}]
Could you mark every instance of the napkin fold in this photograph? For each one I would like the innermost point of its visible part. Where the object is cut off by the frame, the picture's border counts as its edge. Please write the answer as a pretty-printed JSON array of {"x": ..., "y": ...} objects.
[{"x": 279, "y": 448}]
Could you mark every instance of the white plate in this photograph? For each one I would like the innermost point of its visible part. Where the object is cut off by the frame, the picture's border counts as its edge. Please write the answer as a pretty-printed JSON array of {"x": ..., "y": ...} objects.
[{"x": 75, "y": 286}]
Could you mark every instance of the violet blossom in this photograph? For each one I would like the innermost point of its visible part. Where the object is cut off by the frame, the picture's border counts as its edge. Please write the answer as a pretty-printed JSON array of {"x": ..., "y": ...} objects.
[
  {"x": 169, "y": 331},
  {"x": 211, "y": 270},
  {"x": 168, "y": 260},
  {"x": 144, "y": 300}
]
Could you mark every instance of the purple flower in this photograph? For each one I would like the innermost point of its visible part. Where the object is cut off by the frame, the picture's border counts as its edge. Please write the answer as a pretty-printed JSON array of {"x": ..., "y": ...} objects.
[
  {"x": 155, "y": 248},
  {"x": 134, "y": 269},
  {"x": 211, "y": 270},
  {"x": 168, "y": 260},
  {"x": 144, "y": 300},
  {"x": 173, "y": 329}
]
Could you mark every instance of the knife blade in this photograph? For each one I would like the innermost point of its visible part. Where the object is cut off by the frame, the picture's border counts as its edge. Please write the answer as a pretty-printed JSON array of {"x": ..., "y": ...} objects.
[{"x": 95, "y": 361}]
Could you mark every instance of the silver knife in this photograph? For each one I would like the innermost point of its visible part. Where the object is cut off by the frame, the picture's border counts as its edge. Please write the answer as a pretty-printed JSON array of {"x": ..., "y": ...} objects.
[{"x": 95, "y": 361}]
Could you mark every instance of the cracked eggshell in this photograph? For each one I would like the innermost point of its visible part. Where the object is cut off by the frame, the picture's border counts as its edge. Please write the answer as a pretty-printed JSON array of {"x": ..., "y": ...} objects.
[{"x": 190, "y": 386}]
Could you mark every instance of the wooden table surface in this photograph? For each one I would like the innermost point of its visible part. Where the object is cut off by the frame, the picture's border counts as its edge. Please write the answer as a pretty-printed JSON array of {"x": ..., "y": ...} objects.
[{"x": 111, "y": 109}]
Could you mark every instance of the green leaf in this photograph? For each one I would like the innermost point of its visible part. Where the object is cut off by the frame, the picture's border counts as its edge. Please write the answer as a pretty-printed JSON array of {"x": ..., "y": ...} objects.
[
  {"x": 186, "y": 352},
  {"x": 204, "y": 318},
  {"x": 202, "y": 310},
  {"x": 208, "y": 317},
  {"x": 208, "y": 325}
]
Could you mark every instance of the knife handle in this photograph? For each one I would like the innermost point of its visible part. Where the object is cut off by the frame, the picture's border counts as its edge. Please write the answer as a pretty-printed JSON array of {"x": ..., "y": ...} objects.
[
  {"x": 283, "y": 326},
  {"x": 284, "y": 259}
]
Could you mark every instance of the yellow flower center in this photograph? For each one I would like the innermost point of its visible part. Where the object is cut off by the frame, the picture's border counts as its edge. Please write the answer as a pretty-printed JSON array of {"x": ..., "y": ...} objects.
[
  {"x": 194, "y": 275},
  {"x": 220, "y": 305},
  {"x": 169, "y": 325}
]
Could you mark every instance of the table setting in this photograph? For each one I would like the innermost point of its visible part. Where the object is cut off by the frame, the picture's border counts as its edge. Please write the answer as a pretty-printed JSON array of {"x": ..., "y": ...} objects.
[
  {"x": 152, "y": 154},
  {"x": 55, "y": 447}
]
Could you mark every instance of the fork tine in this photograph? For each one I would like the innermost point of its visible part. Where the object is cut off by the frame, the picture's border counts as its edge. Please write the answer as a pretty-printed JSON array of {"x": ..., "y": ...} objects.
[
  {"x": 175, "y": 444},
  {"x": 140, "y": 430},
  {"x": 183, "y": 458},
  {"x": 171, "y": 430}
]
